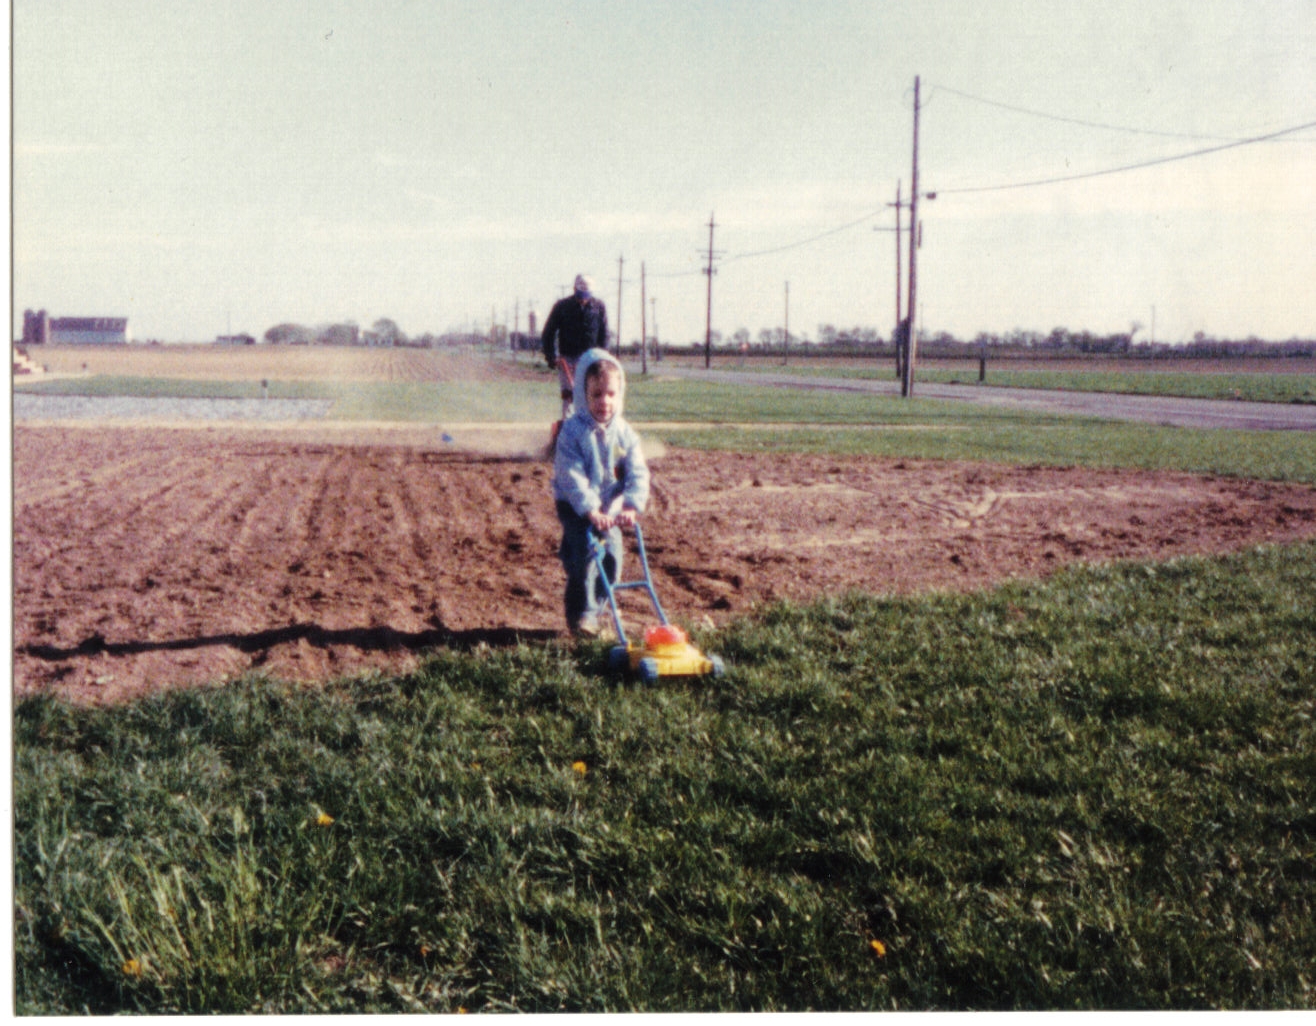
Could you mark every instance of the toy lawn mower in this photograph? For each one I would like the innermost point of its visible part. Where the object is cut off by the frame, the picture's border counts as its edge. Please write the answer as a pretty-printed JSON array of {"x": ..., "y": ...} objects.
[{"x": 666, "y": 650}]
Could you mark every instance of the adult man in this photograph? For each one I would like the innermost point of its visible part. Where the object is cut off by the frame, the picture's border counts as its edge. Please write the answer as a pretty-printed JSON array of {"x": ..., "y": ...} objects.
[{"x": 577, "y": 323}]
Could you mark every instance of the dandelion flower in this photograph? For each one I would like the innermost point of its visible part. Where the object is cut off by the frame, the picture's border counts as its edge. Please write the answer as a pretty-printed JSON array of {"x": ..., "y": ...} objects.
[
  {"x": 879, "y": 949},
  {"x": 580, "y": 767},
  {"x": 324, "y": 820},
  {"x": 132, "y": 967}
]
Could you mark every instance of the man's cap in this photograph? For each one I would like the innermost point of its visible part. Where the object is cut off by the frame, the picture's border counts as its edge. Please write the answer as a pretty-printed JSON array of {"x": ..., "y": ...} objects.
[{"x": 584, "y": 286}]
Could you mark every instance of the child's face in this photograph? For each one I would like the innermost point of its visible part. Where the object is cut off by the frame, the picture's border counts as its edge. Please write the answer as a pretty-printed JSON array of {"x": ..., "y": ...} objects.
[{"x": 601, "y": 395}]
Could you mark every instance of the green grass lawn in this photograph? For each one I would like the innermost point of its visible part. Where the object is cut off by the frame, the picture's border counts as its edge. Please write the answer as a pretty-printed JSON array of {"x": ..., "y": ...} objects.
[
  {"x": 1093, "y": 793},
  {"x": 846, "y": 422},
  {"x": 1268, "y": 455},
  {"x": 1262, "y": 388},
  {"x": 1253, "y": 387}
]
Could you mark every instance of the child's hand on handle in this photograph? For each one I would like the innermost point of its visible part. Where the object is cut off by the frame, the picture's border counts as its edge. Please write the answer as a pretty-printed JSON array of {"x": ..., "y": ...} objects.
[{"x": 602, "y": 522}]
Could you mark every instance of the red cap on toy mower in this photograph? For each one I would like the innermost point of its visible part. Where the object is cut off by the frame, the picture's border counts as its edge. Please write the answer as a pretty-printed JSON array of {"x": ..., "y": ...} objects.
[{"x": 664, "y": 634}]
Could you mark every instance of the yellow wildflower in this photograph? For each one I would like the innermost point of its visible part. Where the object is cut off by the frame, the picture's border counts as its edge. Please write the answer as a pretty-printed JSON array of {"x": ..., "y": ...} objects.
[
  {"x": 132, "y": 967},
  {"x": 879, "y": 949},
  {"x": 580, "y": 767},
  {"x": 324, "y": 820}
]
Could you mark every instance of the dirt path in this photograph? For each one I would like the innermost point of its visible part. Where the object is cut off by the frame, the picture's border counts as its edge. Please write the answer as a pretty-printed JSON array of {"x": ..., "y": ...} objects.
[{"x": 156, "y": 557}]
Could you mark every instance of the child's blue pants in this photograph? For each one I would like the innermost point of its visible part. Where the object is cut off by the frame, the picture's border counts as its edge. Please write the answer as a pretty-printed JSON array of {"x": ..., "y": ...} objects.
[{"x": 585, "y": 594}]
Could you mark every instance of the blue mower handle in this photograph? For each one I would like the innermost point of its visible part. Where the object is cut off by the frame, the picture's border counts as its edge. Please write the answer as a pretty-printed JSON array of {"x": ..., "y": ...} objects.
[{"x": 598, "y": 549}]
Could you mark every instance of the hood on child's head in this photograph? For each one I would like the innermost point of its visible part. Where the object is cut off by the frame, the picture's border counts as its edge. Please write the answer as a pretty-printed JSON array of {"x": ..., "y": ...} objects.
[{"x": 588, "y": 359}]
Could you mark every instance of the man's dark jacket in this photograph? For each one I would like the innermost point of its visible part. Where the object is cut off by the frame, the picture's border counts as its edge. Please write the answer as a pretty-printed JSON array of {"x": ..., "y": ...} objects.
[{"x": 573, "y": 326}]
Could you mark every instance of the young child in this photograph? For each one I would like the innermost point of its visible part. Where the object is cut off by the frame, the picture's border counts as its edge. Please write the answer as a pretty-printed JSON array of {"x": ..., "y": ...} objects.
[{"x": 600, "y": 484}]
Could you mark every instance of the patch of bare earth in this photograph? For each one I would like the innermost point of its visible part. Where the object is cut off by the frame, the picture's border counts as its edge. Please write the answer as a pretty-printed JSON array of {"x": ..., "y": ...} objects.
[{"x": 147, "y": 558}]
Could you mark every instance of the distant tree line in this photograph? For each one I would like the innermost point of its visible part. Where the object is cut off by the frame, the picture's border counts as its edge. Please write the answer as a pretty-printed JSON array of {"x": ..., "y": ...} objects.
[
  {"x": 1059, "y": 342},
  {"x": 831, "y": 341},
  {"x": 384, "y": 332}
]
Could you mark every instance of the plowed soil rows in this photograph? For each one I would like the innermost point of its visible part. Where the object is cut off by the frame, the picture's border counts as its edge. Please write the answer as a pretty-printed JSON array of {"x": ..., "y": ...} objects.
[{"x": 147, "y": 558}]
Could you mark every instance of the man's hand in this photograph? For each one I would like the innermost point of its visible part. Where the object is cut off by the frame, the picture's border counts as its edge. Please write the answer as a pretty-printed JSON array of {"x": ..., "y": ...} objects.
[
  {"x": 626, "y": 518},
  {"x": 600, "y": 521}
]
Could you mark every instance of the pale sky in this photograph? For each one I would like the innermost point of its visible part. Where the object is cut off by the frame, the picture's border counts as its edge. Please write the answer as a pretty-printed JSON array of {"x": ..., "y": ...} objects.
[{"x": 206, "y": 168}]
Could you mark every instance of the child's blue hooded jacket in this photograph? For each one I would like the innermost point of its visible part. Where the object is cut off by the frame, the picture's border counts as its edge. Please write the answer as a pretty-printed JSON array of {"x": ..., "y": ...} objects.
[{"x": 599, "y": 467}]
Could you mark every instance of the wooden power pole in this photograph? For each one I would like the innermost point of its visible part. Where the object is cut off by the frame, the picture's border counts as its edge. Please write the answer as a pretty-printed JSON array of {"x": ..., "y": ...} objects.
[
  {"x": 620, "y": 262},
  {"x": 644, "y": 324},
  {"x": 900, "y": 345},
  {"x": 708, "y": 321},
  {"x": 900, "y": 340},
  {"x": 911, "y": 344},
  {"x": 786, "y": 329}
]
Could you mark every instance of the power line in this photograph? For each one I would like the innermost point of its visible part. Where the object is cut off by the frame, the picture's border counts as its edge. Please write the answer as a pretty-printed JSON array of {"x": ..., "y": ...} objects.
[
  {"x": 1133, "y": 167},
  {"x": 1085, "y": 123},
  {"x": 804, "y": 242},
  {"x": 710, "y": 270},
  {"x": 776, "y": 249},
  {"x": 677, "y": 274}
]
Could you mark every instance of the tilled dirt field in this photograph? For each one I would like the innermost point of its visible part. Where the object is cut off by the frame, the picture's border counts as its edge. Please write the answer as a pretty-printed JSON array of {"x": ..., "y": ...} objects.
[{"x": 157, "y": 557}]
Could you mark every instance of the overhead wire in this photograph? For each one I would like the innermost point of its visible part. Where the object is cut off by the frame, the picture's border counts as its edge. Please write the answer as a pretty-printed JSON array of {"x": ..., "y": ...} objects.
[
  {"x": 775, "y": 249},
  {"x": 1080, "y": 121},
  {"x": 802, "y": 242},
  {"x": 1131, "y": 167},
  {"x": 1226, "y": 143}
]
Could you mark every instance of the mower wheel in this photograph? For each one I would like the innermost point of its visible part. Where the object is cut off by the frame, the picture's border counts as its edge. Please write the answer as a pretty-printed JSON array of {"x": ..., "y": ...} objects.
[
  {"x": 618, "y": 657},
  {"x": 648, "y": 670},
  {"x": 719, "y": 667}
]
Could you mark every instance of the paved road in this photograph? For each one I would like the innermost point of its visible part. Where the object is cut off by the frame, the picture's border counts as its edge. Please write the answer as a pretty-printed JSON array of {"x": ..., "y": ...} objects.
[{"x": 1167, "y": 410}]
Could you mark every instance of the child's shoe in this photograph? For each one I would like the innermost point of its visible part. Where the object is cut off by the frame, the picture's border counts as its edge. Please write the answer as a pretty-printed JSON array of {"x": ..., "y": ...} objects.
[{"x": 586, "y": 627}]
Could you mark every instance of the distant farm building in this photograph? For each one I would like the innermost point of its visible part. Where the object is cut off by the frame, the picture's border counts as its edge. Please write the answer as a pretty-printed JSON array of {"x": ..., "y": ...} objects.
[
  {"x": 528, "y": 340},
  {"x": 41, "y": 329}
]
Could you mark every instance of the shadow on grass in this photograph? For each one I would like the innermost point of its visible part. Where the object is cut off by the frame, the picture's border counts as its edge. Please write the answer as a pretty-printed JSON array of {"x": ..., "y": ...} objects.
[{"x": 370, "y": 639}]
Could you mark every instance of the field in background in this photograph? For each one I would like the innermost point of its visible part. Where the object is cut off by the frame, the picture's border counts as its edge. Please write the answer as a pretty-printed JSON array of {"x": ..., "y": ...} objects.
[
  {"x": 281, "y": 363},
  {"x": 1282, "y": 378},
  {"x": 454, "y": 391}
]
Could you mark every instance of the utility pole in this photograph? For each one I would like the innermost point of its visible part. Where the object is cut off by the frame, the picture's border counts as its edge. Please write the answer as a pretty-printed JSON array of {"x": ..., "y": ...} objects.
[
  {"x": 911, "y": 344},
  {"x": 644, "y": 337},
  {"x": 900, "y": 340},
  {"x": 657, "y": 339},
  {"x": 786, "y": 328},
  {"x": 620, "y": 261},
  {"x": 708, "y": 322}
]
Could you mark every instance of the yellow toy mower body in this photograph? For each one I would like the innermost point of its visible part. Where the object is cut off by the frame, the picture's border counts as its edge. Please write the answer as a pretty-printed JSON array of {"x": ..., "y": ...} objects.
[{"x": 666, "y": 650}]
